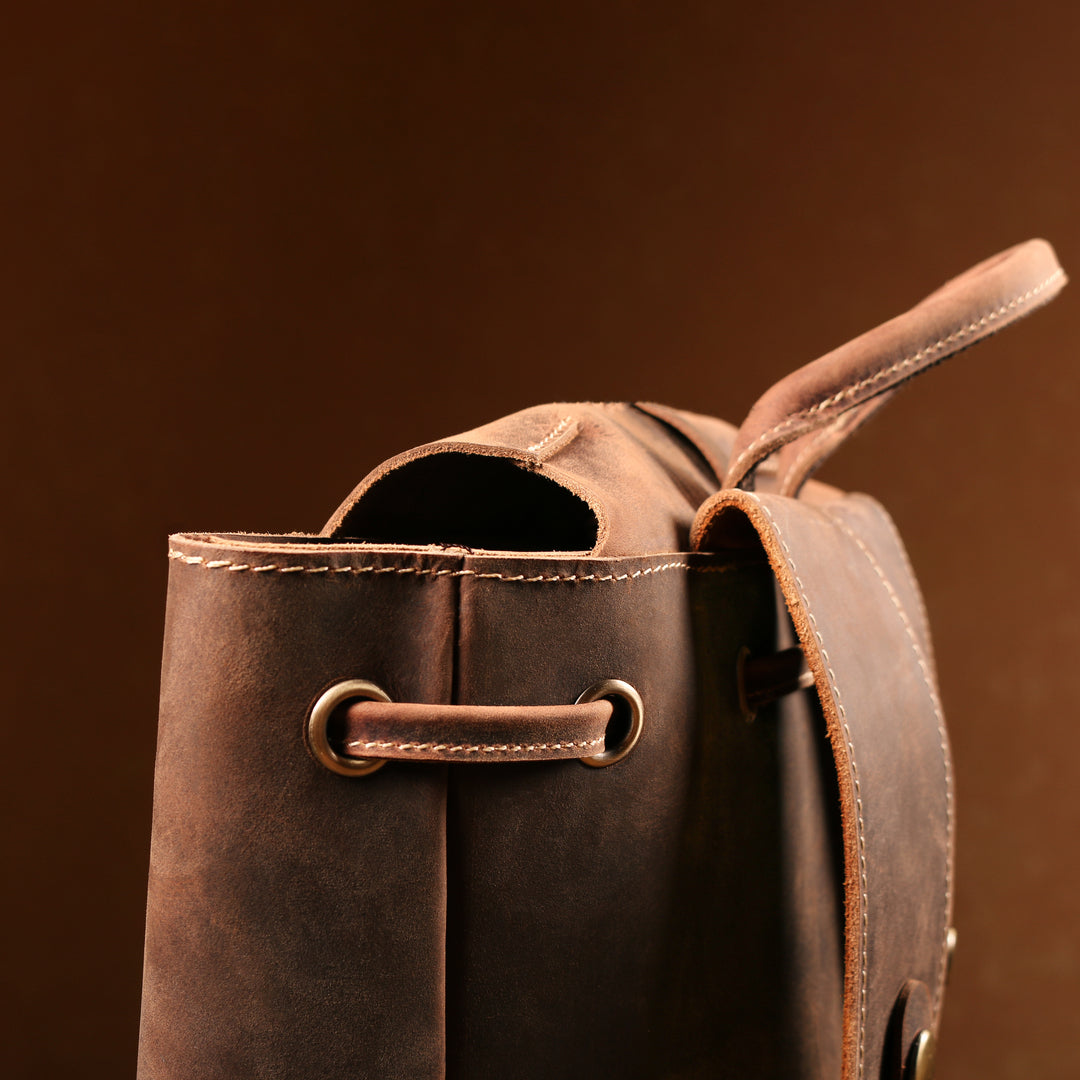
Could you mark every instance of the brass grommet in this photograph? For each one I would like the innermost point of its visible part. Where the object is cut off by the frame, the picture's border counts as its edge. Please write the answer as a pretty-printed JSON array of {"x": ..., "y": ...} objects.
[
  {"x": 920, "y": 1062},
  {"x": 319, "y": 720},
  {"x": 616, "y": 688}
]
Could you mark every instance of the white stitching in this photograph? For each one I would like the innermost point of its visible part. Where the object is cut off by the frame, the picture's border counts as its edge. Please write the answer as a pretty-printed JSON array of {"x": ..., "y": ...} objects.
[
  {"x": 885, "y": 373},
  {"x": 913, "y": 581},
  {"x": 555, "y": 432},
  {"x": 808, "y": 451},
  {"x": 860, "y": 832},
  {"x": 420, "y": 571},
  {"x": 462, "y": 748},
  {"x": 936, "y": 702}
]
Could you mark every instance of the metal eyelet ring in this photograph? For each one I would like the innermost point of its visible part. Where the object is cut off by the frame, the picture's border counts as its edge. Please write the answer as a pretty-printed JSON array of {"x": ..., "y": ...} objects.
[
  {"x": 616, "y": 688},
  {"x": 319, "y": 720}
]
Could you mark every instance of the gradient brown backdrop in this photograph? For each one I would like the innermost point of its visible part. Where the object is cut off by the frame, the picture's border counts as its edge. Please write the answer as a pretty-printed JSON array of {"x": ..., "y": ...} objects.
[{"x": 248, "y": 252}]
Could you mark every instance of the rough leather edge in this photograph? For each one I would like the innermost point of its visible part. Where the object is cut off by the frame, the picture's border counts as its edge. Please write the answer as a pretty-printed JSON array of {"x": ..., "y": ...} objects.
[
  {"x": 743, "y": 520},
  {"x": 855, "y": 936},
  {"x": 803, "y": 620},
  {"x": 532, "y": 458},
  {"x": 338, "y": 562}
]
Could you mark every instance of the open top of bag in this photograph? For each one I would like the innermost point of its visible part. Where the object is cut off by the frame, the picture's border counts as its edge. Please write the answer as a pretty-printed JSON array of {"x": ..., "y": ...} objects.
[{"x": 589, "y": 478}]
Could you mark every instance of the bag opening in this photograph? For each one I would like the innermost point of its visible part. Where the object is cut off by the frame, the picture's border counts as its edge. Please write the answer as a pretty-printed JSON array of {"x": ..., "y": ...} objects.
[{"x": 472, "y": 501}]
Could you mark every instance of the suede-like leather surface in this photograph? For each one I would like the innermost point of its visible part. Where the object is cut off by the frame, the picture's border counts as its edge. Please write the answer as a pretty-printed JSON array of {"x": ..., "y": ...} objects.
[
  {"x": 626, "y": 921},
  {"x": 733, "y": 898},
  {"x": 295, "y": 923},
  {"x": 676, "y": 914}
]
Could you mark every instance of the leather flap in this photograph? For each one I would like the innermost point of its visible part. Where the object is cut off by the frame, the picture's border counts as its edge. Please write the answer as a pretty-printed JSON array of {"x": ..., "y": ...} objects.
[{"x": 858, "y": 614}]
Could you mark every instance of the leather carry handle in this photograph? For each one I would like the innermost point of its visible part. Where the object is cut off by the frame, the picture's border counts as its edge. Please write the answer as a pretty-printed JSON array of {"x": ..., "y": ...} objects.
[{"x": 811, "y": 411}]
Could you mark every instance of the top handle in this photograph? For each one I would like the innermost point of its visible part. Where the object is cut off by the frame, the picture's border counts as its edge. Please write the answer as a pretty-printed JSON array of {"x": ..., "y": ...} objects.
[{"x": 806, "y": 415}]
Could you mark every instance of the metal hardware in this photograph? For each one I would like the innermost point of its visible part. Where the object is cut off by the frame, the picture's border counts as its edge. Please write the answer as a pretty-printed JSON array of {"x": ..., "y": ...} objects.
[
  {"x": 920, "y": 1062},
  {"x": 616, "y": 688},
  {"x": 950, "y": 949},
  {"x": 319, "y": 720}
]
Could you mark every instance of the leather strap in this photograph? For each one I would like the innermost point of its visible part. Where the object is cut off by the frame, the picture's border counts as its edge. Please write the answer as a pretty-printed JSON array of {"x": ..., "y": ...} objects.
[
  {"x": 812, "y": 410},
  {"x": 407, "y": 731},
  {"x": 473, "y": 733}
]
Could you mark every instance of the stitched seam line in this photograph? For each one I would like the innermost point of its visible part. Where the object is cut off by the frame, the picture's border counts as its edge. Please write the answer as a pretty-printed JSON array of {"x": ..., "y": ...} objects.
[
  {"x": 913, "y": 581},
  {"x": 899, "y": 366},
  {"x": 420, "y": 571},
  {"x": 555, "y": 432},
  {"x": 462, "y": 748},
  {"x": 860, "y": 827},
  {"x": 939, "y": 716}
]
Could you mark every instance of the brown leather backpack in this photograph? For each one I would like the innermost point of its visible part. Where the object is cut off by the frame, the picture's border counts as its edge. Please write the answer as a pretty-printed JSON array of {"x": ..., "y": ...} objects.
[{"x": 379, "y": 849}]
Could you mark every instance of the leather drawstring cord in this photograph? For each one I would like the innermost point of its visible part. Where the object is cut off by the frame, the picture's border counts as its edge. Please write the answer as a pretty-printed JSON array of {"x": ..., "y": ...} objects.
[{"x": 355, "y": 727}]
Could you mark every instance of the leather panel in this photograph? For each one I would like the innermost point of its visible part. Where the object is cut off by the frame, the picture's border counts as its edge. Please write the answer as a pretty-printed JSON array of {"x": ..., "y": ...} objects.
[{"x": 296, "y": 918}]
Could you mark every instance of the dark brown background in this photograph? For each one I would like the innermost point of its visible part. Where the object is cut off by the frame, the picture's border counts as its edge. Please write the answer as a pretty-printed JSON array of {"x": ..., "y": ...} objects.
[{"x": 250, "y": 251}]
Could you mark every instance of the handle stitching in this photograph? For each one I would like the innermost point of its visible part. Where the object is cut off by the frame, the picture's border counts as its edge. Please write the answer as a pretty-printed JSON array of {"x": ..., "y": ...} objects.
[
  {"x": 809, "y": 451},
  {"x": 885, "y": 373}
]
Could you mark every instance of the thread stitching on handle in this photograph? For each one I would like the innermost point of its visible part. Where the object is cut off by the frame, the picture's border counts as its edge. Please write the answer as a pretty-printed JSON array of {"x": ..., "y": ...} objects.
[
  {"x": 420, "y": 571},
  {"x": 900, "y": 365},
  {"x": 462, "y": 748},
  {"x": 860, "y": 827},
  {"x": 809, "y": 451},
  {"x": 939, "y": 717}
]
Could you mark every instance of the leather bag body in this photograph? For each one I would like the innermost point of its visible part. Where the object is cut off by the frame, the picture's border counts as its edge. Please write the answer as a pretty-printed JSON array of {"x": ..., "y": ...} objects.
[{"x": 761, "y": 887}]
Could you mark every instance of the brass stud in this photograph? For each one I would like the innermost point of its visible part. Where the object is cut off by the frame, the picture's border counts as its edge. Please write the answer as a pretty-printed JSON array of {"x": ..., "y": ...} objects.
[
  {"x": 920, "y": 1063},
  {"x": 950, "y": 949}
]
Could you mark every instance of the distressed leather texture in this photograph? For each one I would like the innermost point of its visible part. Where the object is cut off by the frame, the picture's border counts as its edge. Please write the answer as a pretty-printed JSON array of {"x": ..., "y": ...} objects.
[{"x": 733, "y": 899}]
